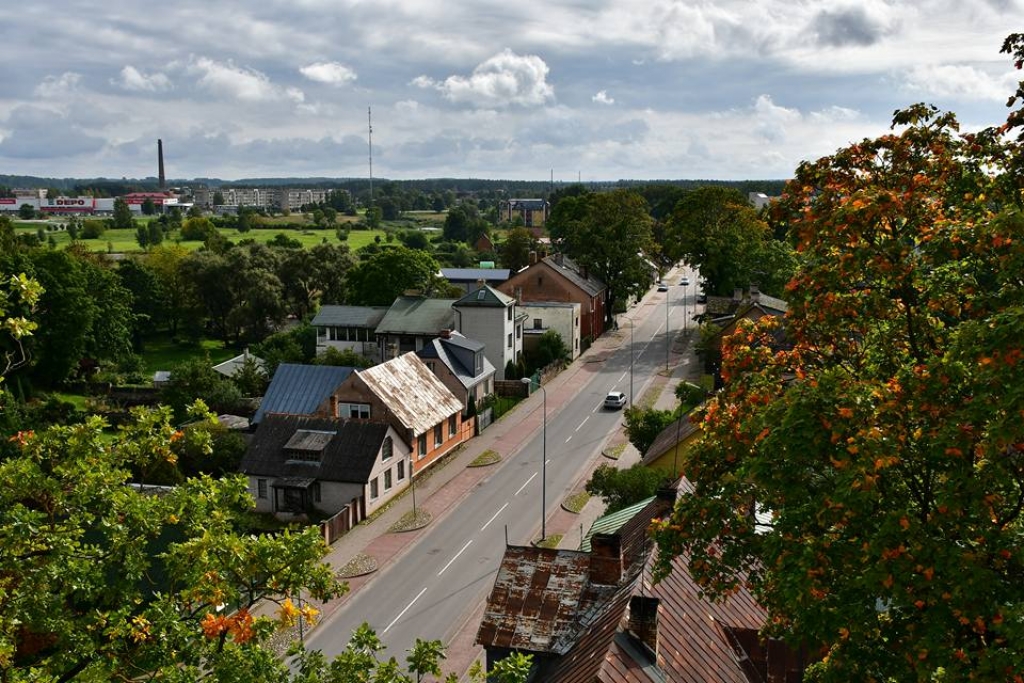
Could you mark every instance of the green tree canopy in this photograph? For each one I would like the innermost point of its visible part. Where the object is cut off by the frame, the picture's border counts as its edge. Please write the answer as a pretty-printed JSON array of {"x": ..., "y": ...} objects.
[
  {"x": 383, "y": 277},
  {"x": 610, "y": 234},
  {"x": 122, "y": 219},
  {"x": 104, "y": 582},
  {"x": 621, "y": 488},
  {"x": 515, "y": 250},
  {"x": 867, "y": 482}
]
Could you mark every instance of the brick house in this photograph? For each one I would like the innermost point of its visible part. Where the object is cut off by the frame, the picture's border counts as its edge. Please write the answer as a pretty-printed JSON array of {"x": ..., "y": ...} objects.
[{"x": 559, "y": 278}]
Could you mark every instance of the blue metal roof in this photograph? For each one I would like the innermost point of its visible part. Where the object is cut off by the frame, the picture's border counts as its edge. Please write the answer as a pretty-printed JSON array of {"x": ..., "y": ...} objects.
[{"x": 299, "y": 389}]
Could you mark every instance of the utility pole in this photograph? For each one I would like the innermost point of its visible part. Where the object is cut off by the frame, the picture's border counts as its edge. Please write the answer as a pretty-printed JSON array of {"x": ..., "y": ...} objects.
[{"x": 369, "y": 126}]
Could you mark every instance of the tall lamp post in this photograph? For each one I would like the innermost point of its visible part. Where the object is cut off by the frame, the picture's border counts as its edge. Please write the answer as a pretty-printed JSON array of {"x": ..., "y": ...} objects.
[
  {"x": 631, "y": 355},
  {"x": 668, "y": 335},
  {"x": 544, "y": 460}
]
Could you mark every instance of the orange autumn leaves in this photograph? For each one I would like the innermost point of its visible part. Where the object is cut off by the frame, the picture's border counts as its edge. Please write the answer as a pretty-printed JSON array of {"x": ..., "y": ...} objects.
[{"x": 241, "y": 626}]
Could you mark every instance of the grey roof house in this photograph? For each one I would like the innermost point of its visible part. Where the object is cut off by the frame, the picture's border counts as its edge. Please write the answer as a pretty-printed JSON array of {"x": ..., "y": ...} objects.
[
  {"x": 300, "y": 465},
  {"x": 470, "y": 279},
  {"x": 349, "y": 327},
  {"x": 411, "y": 322},
  {"x": 462, "y": 366}
]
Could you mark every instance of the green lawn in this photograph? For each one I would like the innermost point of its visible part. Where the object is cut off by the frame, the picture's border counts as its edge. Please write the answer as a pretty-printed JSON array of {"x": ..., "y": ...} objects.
[
  {"x": 124, "y": 240},
  {"x": 163, "y": 354}
]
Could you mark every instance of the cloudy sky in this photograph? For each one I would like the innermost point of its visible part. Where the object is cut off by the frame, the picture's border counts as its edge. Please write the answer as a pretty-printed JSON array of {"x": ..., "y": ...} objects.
[{"x": 595, "y": 89}]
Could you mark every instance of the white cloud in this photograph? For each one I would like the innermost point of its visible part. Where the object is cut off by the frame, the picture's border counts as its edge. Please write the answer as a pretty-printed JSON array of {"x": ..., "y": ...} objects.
[
  {"x": 58, "y": 86},
  {"x": 332, "y": 73},
  {"x": 504, "y": 79},
  {"x": 133, "y": 79},
  {"x": 959, "y": 81},
  {"x": 248, "y": 85},
  {"x": 772, "y": 121},
  {"x": 602, "y": 97}
]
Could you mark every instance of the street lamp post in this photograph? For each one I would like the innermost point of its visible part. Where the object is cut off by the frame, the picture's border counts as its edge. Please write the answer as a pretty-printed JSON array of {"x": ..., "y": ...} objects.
[
  {"x": 544, "y": 460},
  {"x": 668, "y": 335}
]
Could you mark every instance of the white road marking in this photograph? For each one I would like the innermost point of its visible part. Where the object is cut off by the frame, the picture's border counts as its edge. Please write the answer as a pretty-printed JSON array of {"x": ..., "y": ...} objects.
[
  {"x": 524, "y": 485},
  {"x": 568, "y": 440},
  {"x": 402, "y": 613},
  {"x": 455, "y": 558},
  {"x": 583, "y": 423},
  {"x": 495, "y": 516},
  {"x": 622, "y": 377}
]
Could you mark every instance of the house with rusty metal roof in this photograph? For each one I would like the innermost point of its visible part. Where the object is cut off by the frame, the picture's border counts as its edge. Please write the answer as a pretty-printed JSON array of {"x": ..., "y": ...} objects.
[
  {"x": 405, "y": 393},
  {"x": 302, "y": 466},
  {"x": 594, "y": 615}
]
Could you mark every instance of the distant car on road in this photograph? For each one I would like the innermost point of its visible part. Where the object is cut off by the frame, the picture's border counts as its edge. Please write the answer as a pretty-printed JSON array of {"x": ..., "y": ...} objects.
[
  {"x": 662, "y": 287},
  {"x": 685, "y": 282},
  {"x": 702, "y": 298},
  {"x": 615, "y": 400}
]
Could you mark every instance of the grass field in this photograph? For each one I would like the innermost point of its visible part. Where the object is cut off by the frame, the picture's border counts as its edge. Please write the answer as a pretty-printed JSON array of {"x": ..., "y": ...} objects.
[
  {"x": 121, "y": 241},
  {"x": 163, "y": 354}
]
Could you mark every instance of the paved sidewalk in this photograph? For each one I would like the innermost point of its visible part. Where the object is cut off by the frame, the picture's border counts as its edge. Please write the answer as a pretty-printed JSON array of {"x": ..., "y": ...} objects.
[{"x": 447, "y": 483}]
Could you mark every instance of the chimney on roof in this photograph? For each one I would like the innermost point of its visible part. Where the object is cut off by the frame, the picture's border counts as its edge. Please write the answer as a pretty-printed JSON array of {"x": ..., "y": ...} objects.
[
  {"x": 755, "y": 292},
  {"x": 643, "y": 620},
  {"x": 584, "y": 273},
  {"x": 559, "y": 259},
  {"x": 160, "y": 162},
  {"x": 605, "y": 559},
  {"x": 446, "y": 334},
  {"x": 481, "y": 283},
  {"x": 737, "y": 294},
  {"x": 533, "y": 258}
]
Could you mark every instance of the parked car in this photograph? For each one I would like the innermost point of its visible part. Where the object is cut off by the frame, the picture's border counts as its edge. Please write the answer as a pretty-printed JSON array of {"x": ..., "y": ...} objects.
[
  {"x": 702, "y": 298},
  {"x": 685, "y": 282},
  {"x": 615, "y": 400},
  {"x": 662, "y": 287}
]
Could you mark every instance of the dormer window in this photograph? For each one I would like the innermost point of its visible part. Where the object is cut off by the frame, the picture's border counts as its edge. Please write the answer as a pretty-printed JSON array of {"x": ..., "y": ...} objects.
[{"x": 308, "y": 445}]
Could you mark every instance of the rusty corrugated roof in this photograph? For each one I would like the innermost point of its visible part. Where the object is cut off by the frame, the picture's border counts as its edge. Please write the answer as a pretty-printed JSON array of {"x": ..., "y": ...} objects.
[{"x": 408, "y": 388}]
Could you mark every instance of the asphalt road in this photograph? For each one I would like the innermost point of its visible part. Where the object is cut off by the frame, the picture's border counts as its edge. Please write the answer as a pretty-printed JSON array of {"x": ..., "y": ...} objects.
[{"x": 428, "y": 592}]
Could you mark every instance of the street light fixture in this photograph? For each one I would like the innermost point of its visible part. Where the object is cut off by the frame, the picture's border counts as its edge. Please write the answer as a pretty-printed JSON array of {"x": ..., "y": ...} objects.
[
  {"x": 632, "y": 323},
  {"x": 544, "y": 460}
]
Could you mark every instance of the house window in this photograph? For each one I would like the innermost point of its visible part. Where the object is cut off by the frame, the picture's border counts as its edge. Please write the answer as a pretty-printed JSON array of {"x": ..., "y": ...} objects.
[
  {"x": 540, "y": 280},
  {"x": 387, "y": 480},
  {"x": 538, "y": 323},
  {"x": 510, "y": 312},
  {"x": 359, "y": 410},
  {"x": 519, "y": 331},
  {"x": 478, "y": 363},
  {"x": 401, "y": 470},
  {"x": 387, "y": 450},
  {"x": 316, "y": 492},
  {"x": 452, "y": 425},
  {"x": 374, "y": 492},
  {"x": 422, "y": 445},
  {"x": 438, "y": 435},
  {"x": 510, "y": 340},
  {"x": 261, "y": 488}
]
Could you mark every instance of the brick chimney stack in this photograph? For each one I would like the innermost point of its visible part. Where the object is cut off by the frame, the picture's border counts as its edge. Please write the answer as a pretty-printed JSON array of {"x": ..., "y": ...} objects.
[
  {"x": 606, "y": 559},
  {"x": 643, "y": 620}
]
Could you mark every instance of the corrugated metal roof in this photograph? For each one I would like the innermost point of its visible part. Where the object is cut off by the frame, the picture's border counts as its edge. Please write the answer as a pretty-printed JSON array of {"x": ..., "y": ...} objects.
[
  {"x": 232, "y": 365},
  {"x": 299, "y": 389},
  {"x": 417, "y": 315},
  {"x": 609, "y": 524},
  {"x": 485, "y": 296},
  {"x": 349, "y": 316},
  {"x": 408, "y": 388},
  {"x": 474, "y": 274}
]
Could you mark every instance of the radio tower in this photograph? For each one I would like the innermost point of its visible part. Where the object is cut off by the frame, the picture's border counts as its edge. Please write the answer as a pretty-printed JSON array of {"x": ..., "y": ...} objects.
[{"x": 369, "y": 126}]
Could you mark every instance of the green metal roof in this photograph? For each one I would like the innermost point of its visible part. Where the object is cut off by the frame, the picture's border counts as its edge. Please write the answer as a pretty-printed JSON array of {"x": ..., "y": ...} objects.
[{"x": 609, "y": 524}]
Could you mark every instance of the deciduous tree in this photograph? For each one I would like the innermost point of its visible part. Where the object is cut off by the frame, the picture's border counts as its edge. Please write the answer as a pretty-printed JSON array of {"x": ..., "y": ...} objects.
[{"x": 867, "y": 484}]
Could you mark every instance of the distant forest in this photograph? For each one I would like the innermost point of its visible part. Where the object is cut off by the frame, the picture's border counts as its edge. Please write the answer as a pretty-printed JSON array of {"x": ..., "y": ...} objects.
[{"x": 109, "y": 187}]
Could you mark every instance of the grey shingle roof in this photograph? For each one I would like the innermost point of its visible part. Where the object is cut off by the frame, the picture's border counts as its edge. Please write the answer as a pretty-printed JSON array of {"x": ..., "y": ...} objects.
[
  {"x": 348, "y": 448},
  {"x": 485, "y": 296},
  {"x": 417, "y": 315},
  {"x": 590, "y": 284},
  {"x": 299, "y": 389},
  {"x": 349, "y": 316}
]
